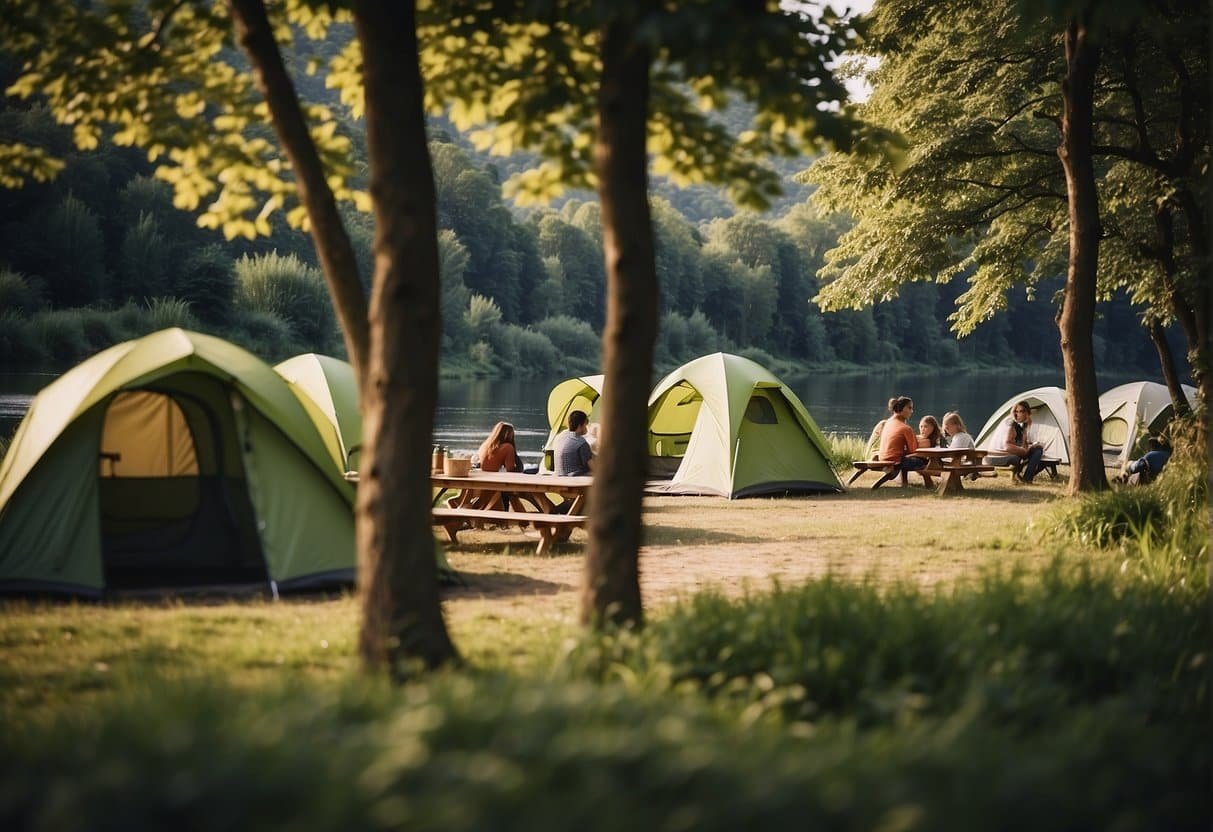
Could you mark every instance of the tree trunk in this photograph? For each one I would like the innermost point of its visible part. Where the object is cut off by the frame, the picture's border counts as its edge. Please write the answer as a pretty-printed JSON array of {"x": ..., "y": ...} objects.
[
  {"x": 397, "y": 573},
  {"x": 1166, "y": 361},
  {"x": 1077, "y": 319},
  {"x": 333, "y": 247},
  {"x": 611, "y": 589}
]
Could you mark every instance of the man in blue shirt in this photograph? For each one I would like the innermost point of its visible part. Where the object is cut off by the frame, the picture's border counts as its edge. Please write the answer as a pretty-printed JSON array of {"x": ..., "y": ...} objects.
[
  {"x": 571, "y": 454},
  {"x": 1144, "y": 470}
]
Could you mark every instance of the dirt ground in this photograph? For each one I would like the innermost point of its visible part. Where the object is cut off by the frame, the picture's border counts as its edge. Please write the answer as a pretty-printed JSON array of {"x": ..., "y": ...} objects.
[{"x": 697, "y": 543}]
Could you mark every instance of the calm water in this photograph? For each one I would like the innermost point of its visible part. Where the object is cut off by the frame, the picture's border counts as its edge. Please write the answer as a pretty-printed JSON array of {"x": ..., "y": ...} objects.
[{"x": 839, "y": 404}]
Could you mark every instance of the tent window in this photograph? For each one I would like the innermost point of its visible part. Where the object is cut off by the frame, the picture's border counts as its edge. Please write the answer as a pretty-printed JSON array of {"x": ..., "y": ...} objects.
[
  {"x": 1115, "y": 431},
  {"x": 760, "y": 412}
]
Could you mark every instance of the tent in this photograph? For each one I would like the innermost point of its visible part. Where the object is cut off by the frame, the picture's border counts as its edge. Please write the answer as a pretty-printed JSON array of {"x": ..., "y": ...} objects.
[
  {"x": 571, "y": 394},
  {"x": 175, "y": 461},
  {"x": 724, "y": 425},
  {"x": 329, "y": 383},
  {"x": 1126, "y": 409},
  {"x": 1050, "y": 417}
]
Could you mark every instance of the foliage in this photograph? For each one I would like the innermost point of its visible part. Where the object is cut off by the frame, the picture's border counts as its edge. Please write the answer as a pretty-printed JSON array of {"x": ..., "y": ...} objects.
[
  {"x": 207, "y": 281},
  {"x": 290, "y": 290},
  {"x": 482, "y": 316},
  {"x": 572, "y": 338},
  {"x": 1021, "y": 652},
  {"x": 18, "y": 294},
  {"x": 842, "y": 449}
]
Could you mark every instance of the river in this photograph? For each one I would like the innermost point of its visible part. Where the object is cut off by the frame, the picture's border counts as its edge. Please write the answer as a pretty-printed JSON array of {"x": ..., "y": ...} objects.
[{"x": 848, "y": 404}]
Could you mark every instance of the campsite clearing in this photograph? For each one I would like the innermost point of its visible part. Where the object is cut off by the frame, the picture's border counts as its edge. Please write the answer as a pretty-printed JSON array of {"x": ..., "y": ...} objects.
[{"x": 518, "y": 609}]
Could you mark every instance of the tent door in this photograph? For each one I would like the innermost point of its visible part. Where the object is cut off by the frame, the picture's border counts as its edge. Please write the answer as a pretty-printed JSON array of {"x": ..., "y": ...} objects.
[{"x": 172, "y": 515}]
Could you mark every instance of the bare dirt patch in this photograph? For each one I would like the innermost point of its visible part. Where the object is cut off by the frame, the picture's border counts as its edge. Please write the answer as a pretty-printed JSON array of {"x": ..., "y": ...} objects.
[{"x": 697, "y": 543}]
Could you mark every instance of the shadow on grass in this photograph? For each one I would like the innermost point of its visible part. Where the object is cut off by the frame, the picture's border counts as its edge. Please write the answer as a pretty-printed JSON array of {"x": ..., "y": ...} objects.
[
  {"x": 501, "y": 585},
  {"x": 657, "y": 535}
]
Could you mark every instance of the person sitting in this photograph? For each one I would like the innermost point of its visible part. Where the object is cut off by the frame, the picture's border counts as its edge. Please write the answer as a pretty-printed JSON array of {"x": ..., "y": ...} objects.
[
  {"x": 873, "y": 446},
  {"x": 499, "y": 452},
  {"x": 1016, "y": 445},
  {"x": 1146, "y": 468},
  {"x": 571, "y": 453},
  {"x": 593, "y": 435},
  {"x": 958, "y": 435},
  {"x": 929, "y": 434},
  {"x": 897, "y": 441}
]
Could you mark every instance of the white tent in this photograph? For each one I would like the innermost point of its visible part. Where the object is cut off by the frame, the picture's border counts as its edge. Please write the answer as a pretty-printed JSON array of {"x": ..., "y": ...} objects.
[
  {"x": 1126, "y": 409},
  {"x": 1050, "y": 418}
]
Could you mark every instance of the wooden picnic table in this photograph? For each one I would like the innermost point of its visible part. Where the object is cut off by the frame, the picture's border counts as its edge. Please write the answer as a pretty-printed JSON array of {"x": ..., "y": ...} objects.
[
  {"x": 952, "y": 465},
  {"x": 513, "y": 497}
]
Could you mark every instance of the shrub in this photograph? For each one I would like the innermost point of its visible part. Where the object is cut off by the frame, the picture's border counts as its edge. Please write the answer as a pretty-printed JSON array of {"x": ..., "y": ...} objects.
[
  {"x": 291, "y": 290},
  {"x": 263, "y": 334},
  {"x": 842, "y": 449},
  {"x": 207, "y": 280},
  {"x": 19, "y": 344},
  {"x": 73, "y": 252},
  {"x": 61, "y": 334},
  {"x": 572, "y": 338},
  {"x": 491, "y": 753},
  {"x": 761, "y": 356},
  {"x": 163, "y": 313},
  {"x": 19, "y": 294},
  {"x": 143, "y": 261},
  {"x": 483, "y": 314},
  {"x": 1106, "y": 518},
  {"x": 1018, "y": 651},
  {"x": 100, "y": 328}
]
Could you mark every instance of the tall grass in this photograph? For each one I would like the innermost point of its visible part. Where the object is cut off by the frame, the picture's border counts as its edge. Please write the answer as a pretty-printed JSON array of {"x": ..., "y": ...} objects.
[
  {"x": 292, "y": 291},
  {"x": 843, "y": 448}
]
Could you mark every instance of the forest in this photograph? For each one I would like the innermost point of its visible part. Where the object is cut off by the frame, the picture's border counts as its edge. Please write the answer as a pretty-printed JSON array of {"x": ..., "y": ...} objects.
[{"x": 101, "y": 254}]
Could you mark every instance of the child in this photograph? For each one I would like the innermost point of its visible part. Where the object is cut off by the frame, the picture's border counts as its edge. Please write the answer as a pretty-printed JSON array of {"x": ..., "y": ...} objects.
[
  {"x": 958, "y": 435},
  {"x": 929, "y": 434}
]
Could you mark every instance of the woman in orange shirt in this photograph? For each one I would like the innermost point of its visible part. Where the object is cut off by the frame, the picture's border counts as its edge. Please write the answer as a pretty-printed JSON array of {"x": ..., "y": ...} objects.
[
  {"x": 499, "y": 452},
  {"x": 898, "y": 440}
]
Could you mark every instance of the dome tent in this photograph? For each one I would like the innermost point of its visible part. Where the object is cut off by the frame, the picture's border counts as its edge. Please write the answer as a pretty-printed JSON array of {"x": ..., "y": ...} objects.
[
  {"x": 728, "y": 426},
  {"x": 176, "y": 460},
  {"x": 1050, "y": 417},
  {"x": 1124, "y": 410},
  {"x": 330, "y": 384},
  {"x": 582, "y": 393}
]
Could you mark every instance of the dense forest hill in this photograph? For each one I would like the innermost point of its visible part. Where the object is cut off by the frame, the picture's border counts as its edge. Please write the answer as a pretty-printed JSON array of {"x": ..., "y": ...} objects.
[{"x": 100, "y": 255}]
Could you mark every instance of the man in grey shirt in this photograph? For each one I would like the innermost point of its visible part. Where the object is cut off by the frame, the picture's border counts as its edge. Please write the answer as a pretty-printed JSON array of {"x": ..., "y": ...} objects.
[{"x": 571, "y": 454}]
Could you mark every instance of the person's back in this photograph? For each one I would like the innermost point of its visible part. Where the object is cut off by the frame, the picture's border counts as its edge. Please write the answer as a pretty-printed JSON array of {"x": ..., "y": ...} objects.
[
  {"x": 571, "y": 454},
  {"x": 961, "y": 442},
  {"x": 896, "y": 440}
]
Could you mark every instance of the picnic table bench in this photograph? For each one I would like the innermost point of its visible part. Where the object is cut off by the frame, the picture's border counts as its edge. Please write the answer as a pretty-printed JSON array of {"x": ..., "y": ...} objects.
[
  {"x": 1047, "y": 463},
  {"x": 552, "y": 528},
  {"x": 950, "y": 465}
]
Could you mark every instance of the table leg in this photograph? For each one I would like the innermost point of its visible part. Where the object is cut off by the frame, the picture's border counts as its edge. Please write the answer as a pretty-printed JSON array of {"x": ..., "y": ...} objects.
[{"x": 951, "y": 484}]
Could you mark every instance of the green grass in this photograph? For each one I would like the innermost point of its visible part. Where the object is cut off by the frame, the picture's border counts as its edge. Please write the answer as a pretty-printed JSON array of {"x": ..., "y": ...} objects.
[{"x": 1040, "y": 686}]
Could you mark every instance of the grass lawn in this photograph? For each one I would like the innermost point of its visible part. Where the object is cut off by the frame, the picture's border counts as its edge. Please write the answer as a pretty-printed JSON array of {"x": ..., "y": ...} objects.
[
  {"x": 880, "y": 659},
  {"x": 518, "y": 608}
]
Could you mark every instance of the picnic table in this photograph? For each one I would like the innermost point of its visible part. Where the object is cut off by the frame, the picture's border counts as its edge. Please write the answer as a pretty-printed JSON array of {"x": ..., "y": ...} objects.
[
  {"x": 952, "y": 465},
  {"x": 512, "y": 498}
]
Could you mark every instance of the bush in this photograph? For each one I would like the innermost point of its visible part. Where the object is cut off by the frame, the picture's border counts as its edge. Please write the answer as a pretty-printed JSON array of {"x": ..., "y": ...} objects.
[
  {"x": 1106, "y": 518},
  {"x": 842, "y": 449},
  {"x": 292, "y": 291},
  {"x": 143, "y": 262},
  {"x": 72, "y": 251},
  {"x": 164, "y": 313},
  {"x": 19, "y": 294},
  {"x": 19, "y": 344},
  {"x": 207, "y": 281},
  {"x": 264, "y": 334},
  {"x": 482, "y": 316},
  {"x": 61, "y": 335},
  {"x": 761, "y": 356},
  {"x": 572, "y": 338},
  {"x": 1017, "y": 651},
  {"x": 490, "y": 753}
]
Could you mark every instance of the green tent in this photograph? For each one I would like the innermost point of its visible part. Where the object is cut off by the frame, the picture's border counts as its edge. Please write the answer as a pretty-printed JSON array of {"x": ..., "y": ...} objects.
[
  {"x": 329, "y": 383},
  {"x": 177, "y": 460},
  {"x": 582, "y": 394},
  {"x": 328, "y": 388},
  {"x": 725, "y": 425}
]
